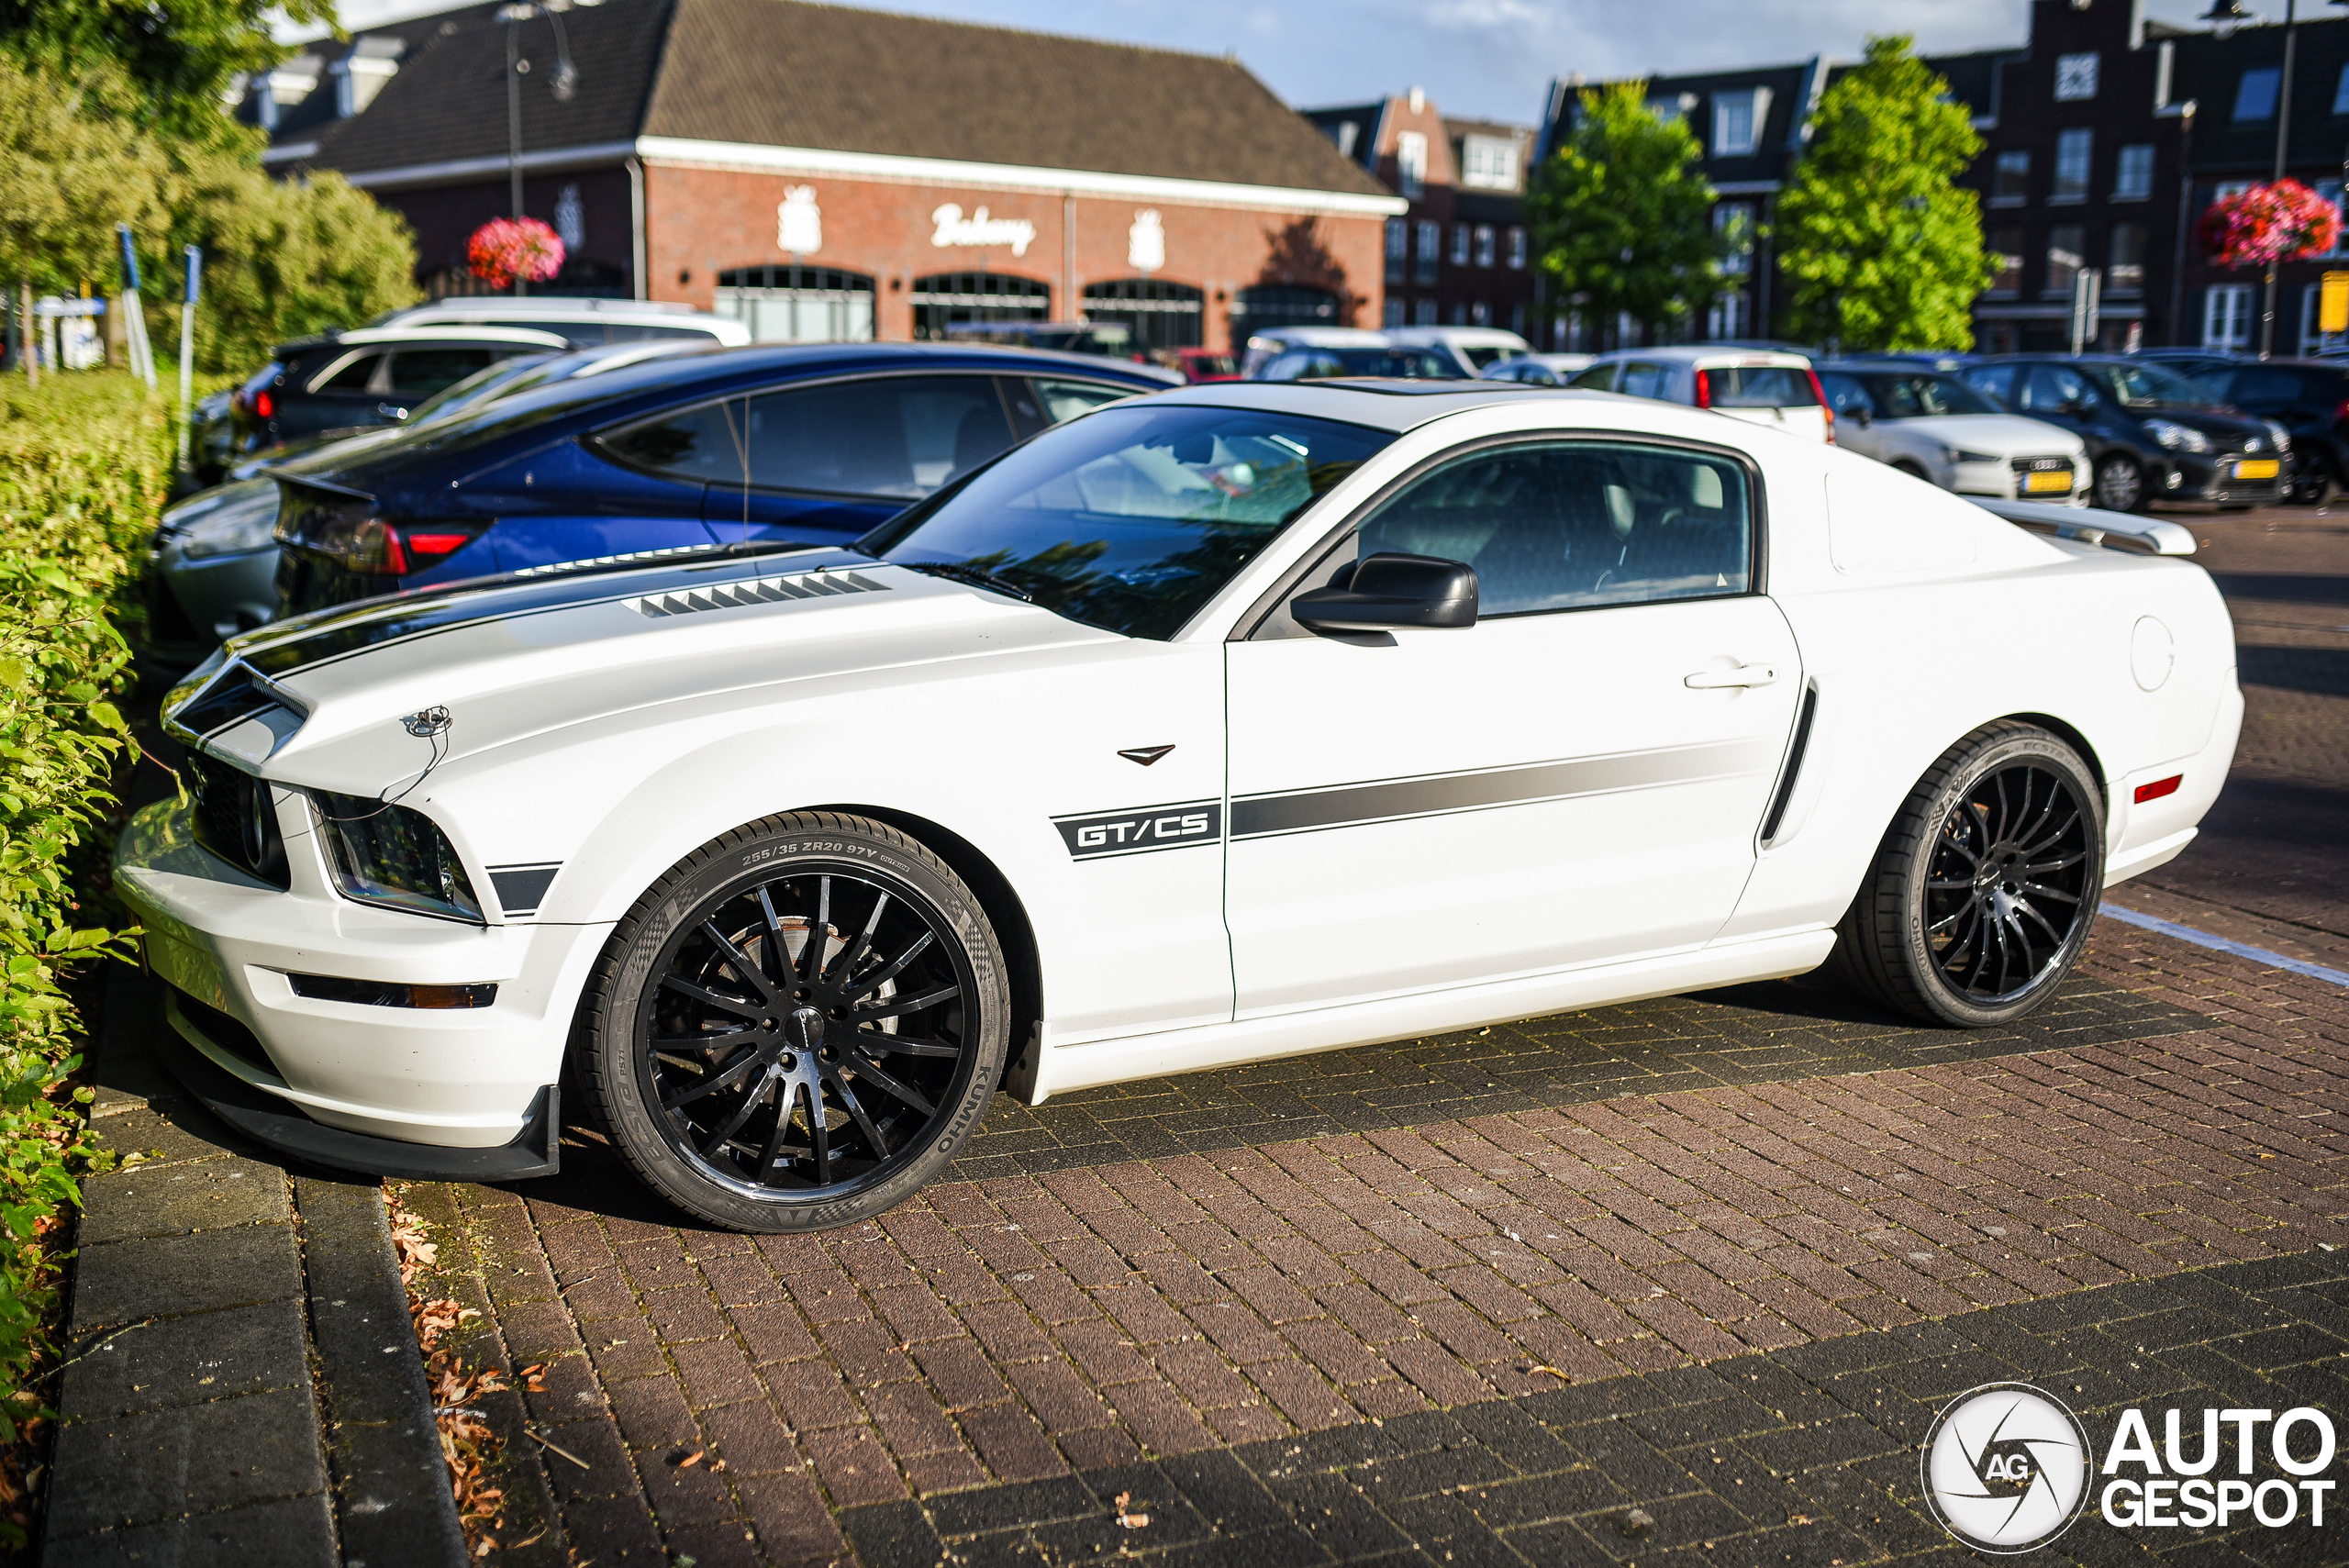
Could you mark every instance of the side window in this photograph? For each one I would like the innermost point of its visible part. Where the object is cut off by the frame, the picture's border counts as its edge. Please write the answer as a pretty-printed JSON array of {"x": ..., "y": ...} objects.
[
  {"x": 352, "y": 375},
  {"x": 420, "y": 372},
  {"x": 1067, "y": 399},
  {"x": 1599, "y": 378},
  {"x": 704, "y": 443},
  {"x": 900, "y": 437},
  {"x": 1845, "y": 394},
  {"x": 1576, "y": 525},
  {"x": 1642, "y": 380},
  {"x": 2055, "y": 389},
  {"x": 1991, "y": 381}
]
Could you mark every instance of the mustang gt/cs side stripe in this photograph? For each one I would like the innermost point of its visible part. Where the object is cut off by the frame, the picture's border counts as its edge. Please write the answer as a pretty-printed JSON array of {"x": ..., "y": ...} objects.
[
  {"x": 1387, "y": 800},
  {"x": 1141, "y": 829}
]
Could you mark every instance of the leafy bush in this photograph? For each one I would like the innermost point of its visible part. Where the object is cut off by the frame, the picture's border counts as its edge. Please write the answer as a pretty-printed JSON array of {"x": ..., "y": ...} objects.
[{"x": 83, "y": 462}]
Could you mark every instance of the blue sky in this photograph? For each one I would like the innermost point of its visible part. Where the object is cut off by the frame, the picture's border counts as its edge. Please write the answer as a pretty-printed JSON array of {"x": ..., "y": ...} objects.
[{"x": 1487, "y": 58}]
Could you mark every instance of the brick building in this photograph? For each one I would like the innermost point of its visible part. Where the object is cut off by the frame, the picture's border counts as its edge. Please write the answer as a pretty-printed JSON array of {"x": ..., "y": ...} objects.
[
  {"x": 825, "y": 172},
  {"x": 1461, "y": 255}
]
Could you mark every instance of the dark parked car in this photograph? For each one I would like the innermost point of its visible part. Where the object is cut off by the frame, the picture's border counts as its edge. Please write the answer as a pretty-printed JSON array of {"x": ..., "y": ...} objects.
[
  {"x": 2307, "y": 398},
  {"x": 2151, "y": 435},
  {"x": 349, "y": 381},
  {"x": 817, "y": 443}
]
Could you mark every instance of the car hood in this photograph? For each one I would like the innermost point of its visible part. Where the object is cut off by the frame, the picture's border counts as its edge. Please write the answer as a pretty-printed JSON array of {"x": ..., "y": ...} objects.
[
  {"x": 326, "y": 699},
  {"x": 1999, "y": 435},
  {"x": 2209, "y": 422}
]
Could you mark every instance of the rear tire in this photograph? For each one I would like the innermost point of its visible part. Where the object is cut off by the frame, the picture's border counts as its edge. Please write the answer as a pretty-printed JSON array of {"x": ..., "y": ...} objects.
[
  {"x": 1983, "y": 891},
  {"x": 763, "y": 1086}
]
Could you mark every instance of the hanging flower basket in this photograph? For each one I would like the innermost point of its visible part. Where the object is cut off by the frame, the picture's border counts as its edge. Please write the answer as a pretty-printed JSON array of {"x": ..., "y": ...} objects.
[
  {"x": 506, "y": 248},
  {"x": 2280, "y": 222}
]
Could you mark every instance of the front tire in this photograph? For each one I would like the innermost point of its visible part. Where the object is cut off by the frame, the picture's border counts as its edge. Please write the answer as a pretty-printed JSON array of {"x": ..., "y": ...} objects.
[
  {"x": 2119, "y": 483},
  {"x": 1982, "y": 894},
  {"x": 798, "y": 1026}
]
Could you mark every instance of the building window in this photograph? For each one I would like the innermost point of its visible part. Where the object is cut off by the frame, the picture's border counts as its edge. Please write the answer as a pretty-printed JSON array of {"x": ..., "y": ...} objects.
[
  {"x": 1345, "y": 133},
  {"x": 2341, "y": 92},
  {"x": 1484, "y": 256},
  {"x": 797, "y": 304},
  {"x": 1430, "y": 249},
  {"x": 1730, "y": 316},
  {"x": 1391, "y": 314},
  {"x": 2314, "y": 338},
  {"x": 2074, "y": 77},
  {"x": 1737, "y": 121},
  {"x": 1673, "y": 108},
  {"x": 1480, "y": 315},
  {"x": 1423, "y": 313},
  {"x": 2074, "y": 151},
  {"x": 1489, "y": 162},
  {"x": 1733, "y": 237},
  {"x": 2255, "y": 93},
  {"x": 2124, "y": 273},
  {"x": 1155, "y": 313},
  {"x": 2226, "y": 316},
  {"x": 2331, "y": 191},
  {"x": 1398, "y": 246},
  {"x": 2006, "y": 259},
  {"x": 2132, "y": 179},
  {"x": 1262, "y": 306},
  {"x": 2066, "y": 244},
  {"x": 1459, "y": 244},
  {"x": 1411, "y": 162},
  {"x": 2010, "y": 182},
  {"x": 1516, "y": 318},
  {"x": 1459, "y": 313},
  {"x": 1517, "y": 248},
  {"x": 946, "y": 298}
]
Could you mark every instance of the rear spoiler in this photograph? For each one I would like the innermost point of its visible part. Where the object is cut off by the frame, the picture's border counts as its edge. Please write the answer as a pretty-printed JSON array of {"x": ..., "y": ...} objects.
[{"x": 2089, "y": 525}]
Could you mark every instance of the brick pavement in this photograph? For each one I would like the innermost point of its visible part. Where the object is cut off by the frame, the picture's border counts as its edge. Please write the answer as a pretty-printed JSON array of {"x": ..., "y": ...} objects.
[{"x": 1029, "y": 1328}]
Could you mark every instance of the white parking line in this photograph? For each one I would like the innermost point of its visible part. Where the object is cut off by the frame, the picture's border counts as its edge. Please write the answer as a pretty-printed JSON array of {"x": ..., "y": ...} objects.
[{"x": 2221, "y": 944}]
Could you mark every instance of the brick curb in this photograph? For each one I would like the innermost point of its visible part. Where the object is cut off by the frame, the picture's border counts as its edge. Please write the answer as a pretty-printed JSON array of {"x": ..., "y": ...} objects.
[{"x": 242, "y": 1385}]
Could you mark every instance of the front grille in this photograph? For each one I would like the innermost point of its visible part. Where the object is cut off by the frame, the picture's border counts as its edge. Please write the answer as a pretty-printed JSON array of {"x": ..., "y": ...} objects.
[
  {"x": 236, "y": 819},
  {"x": 2042, "y": 466}
]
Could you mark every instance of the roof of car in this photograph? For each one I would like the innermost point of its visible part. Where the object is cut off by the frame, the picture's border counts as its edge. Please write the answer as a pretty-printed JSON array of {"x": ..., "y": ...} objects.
[
  {"x": 1385, "y": 405},
  {"x": 1695, "y": 353},
  {"x": 1476, "y": 336},
  {"x": 1323, "y": 337},
  {"x": 519, "y": 337}
]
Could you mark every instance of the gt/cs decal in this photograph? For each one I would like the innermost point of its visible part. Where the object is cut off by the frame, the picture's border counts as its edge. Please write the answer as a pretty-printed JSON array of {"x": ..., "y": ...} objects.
[{"x": 1142, "y": 829}]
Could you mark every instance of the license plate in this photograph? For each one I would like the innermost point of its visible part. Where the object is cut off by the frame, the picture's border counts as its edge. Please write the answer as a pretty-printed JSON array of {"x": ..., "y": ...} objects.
[
  {"x": 2049, "y": 479},
  {"x": 2257, "y": 468}
]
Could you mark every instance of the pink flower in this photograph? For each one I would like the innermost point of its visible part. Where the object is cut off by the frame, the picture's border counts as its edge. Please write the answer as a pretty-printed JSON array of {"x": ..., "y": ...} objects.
[
  {"x": 505, "y": 249},
  {"x": 2279, "y": 222}
]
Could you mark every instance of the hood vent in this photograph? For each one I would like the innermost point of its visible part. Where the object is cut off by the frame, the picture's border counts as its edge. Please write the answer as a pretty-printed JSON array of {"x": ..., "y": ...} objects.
[{"x": 757, "y": 591}]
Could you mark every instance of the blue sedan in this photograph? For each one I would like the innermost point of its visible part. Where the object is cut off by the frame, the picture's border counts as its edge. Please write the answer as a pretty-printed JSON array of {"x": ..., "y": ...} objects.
[{"x": 816, "y": 443}]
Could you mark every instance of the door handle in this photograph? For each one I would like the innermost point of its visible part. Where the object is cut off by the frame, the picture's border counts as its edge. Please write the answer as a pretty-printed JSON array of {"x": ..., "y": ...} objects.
[{"x": 1725, "y": 680}]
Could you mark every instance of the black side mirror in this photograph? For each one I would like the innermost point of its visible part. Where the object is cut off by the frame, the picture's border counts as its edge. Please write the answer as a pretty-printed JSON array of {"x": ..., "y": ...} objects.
[
  {"x": 1390, "y": 590},
  {"x": 1861, "y": 415}
]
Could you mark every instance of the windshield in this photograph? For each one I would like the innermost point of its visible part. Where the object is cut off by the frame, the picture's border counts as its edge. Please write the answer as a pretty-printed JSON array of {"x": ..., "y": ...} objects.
[
  {"x": 485, "y": 383},
  {"x": 1132, "y": 518},
  {"x": 1914, "y": 396},
  {"x": 2144, "y": 386}
]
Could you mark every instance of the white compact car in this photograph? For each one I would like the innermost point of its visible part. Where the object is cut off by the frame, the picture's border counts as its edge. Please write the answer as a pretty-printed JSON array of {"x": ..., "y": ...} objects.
[
  {"x": 1761, "y": 386},
  {"x": 1241, "y": 721},
  {"x": 1927, "y": 423}
]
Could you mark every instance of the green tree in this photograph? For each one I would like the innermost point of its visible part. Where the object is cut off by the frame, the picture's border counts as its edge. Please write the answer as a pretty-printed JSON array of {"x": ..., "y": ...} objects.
[
  {"x": 178, "y": 54},
  {"x": 1880, "y": 247},
  {"x": 1621, "y": 213},
  {"x": 71, "y": 166}
]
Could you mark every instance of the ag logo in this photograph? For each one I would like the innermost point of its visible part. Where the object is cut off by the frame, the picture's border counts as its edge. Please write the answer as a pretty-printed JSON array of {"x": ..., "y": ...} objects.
[{"x": 2006, "y": 1467}]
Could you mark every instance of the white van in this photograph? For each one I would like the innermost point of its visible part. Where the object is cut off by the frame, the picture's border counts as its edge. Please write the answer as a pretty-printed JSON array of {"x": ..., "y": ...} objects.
[
  {"x": 1478, "y": 349},
  {"x": 1761, "y": 386},
  {"x": 585, "y": 323}
]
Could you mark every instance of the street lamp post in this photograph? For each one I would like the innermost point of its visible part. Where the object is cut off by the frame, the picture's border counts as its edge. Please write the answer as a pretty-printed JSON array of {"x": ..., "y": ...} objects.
[
  {"x": 566, "y": 82},
  {"x": 2185, "y": 220}
]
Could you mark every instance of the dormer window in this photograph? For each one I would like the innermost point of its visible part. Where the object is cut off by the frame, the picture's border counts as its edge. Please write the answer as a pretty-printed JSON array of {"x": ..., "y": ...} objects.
[
  {"x": 373, "y": 60},
  {"x": 1738, "y": 118}
]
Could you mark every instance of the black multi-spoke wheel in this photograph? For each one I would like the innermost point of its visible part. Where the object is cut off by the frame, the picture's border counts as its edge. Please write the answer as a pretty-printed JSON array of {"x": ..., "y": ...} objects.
[
  {"x": 1982, "y": 895},
  {"x": 798, "y": 1026}
]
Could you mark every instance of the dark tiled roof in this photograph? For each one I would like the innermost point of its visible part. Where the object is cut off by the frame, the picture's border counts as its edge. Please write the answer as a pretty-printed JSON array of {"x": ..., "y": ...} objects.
[
  {"x": 786, "y": 73},
  {"x": 791, "y": 74}
]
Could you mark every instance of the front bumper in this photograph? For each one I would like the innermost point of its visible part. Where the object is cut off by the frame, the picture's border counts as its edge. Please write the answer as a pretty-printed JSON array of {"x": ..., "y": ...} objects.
[
  {"x": 2008, "y": 479},
  {"x": 2218, "y": 481},
  {"x": 458, "y": 1080}
]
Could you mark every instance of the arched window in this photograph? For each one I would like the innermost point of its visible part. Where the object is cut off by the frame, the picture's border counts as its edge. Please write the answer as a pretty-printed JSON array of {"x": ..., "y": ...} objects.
[
  {"x": 797, "y": 304},
  {"x": 1159, "y": 315},
  {"x": 944, "y": 298},
  {"x": 1267, "y": 306}
]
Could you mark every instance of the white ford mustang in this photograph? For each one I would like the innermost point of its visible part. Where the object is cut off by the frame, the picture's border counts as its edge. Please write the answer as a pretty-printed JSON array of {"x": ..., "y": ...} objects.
[{"x": 1228, "y": 724}]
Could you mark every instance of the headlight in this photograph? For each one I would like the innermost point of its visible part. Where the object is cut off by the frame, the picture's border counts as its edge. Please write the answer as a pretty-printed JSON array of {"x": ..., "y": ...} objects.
[
  {"x": 2177, "y": 438},
  {"x": 2282, "y": 436},
  {"x": 237, "y": 527},
  {"x": 1957, "y": 456},
  {"x": 395, "y": 856}
]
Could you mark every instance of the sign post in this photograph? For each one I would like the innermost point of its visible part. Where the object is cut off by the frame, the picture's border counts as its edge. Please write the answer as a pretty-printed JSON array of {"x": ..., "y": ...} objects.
[
  {"x": 134, "y": 323},
  {"x": 187, "y": 347},
  {"x": 2087, "y": 295}
]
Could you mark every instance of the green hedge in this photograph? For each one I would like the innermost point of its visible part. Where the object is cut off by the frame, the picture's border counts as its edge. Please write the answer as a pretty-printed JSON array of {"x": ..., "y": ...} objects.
[{"x": 83, "y": 463}]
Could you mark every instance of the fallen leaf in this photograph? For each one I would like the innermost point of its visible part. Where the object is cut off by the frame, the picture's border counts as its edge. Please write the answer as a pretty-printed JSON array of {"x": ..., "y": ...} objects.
[
  {"x": 690, "y": 1460},
  {"x": 1553, "y": 1371}
]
